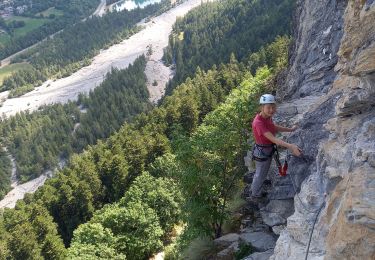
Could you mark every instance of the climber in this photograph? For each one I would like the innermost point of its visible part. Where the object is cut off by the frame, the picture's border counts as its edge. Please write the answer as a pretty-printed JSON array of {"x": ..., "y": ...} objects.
[{"x": 264, "y": 131}]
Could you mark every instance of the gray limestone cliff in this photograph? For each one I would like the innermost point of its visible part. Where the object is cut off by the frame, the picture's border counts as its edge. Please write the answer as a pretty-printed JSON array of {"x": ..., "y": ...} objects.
[
  {"x": 332, "y": 74},
  {"x": 329, "y": 91}
]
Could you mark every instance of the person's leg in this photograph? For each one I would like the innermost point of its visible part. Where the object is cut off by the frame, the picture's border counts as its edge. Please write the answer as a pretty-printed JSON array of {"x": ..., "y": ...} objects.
[{"x": 260, "y": 176}]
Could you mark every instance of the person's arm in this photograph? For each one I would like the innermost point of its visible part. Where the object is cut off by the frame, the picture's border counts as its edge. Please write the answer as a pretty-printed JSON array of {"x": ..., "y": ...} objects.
[
  {"x": 292, "y": 147},
  {"x": 280, "y": 128}
]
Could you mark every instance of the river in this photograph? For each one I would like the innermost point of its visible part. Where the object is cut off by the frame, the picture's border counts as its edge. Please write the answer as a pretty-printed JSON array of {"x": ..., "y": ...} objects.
[
  {"x": 130, "y": 5},
  {"x": 154, "y": 34}
]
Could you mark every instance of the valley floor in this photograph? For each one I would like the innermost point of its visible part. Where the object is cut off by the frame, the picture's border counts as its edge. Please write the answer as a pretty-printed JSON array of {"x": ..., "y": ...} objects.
[{"x": 154, "y": 34}]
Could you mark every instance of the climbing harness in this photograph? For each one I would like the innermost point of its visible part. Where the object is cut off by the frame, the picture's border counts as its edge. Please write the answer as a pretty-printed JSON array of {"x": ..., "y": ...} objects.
[
  {"x": 259, "y": 154},
  {"x": 262, "y": 152}
]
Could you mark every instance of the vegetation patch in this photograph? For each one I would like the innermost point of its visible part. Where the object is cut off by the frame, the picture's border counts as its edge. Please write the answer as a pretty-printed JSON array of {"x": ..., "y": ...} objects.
[
  {"x": 243, "y": 251},
  {"x": 29, "y": 24},
  {"x": 50, "y": 13},
  {"x": 31, "y": 27},
  {"x": 12, "y": 68}
]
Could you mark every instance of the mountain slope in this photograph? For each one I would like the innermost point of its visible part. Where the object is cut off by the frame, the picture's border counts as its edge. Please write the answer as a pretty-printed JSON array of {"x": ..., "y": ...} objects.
[{"x": 210, "y": 34}]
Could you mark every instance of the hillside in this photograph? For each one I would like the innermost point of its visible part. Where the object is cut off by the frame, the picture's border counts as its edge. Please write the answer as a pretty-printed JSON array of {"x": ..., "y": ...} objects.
[
  {"x": 176, "y": 177},
  {"x": 210, "y": 34},
  {"x": 109, "y": 172},
  {"x": 74, "y": 47}
]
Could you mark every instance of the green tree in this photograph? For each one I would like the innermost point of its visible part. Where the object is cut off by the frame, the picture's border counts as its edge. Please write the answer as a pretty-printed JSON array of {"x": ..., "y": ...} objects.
[
  {"x": 189, "y": 114},
  {"x": 212, "y": 158},
  {"x": 136, "y": 228},
  {"x": 93, "y": 241},
  {"x": 160, "y": 194},
  {"x": 241, "y": 27}
]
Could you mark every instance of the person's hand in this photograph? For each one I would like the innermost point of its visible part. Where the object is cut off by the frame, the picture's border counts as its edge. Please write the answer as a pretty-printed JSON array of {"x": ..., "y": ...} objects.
[
  {"x": 294, "y": 128},
  {"x": 295, "y": 150}
]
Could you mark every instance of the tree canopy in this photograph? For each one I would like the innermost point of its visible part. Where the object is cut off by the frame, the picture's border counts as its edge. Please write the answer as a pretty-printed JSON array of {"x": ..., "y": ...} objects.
[
  {"x": 209, "y": 34},
  {"x": 178, "y": 162}
]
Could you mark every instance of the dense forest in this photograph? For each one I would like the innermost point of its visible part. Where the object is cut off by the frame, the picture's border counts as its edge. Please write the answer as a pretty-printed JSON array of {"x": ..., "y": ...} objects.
[
  {"x": 39, "y": 140},
  {"x": 153, "y": 172},
  {"x": 178, "y": 164},
  {"x": 210, "y": 34},
  {"x": 74, "y": 47},
  {"x": 5, "y": 172},
  {"x": 72, "y": 10}
]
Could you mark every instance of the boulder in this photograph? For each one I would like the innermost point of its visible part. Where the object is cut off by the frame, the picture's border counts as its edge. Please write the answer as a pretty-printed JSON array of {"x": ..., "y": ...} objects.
[
  {"x": 226, "y": 240},
  {"x": 278, "y": 229},
  {"x": 277, "y": 211},
  {"x": 228, "y": 253},
  {"x": 256, "y": 228},
  {"x": 260, "y": 255},
  {"x": 261, "y": 241}
]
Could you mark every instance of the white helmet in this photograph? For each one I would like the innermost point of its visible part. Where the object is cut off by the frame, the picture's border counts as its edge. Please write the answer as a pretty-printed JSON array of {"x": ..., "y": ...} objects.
[{"x": 267, "y": 99}]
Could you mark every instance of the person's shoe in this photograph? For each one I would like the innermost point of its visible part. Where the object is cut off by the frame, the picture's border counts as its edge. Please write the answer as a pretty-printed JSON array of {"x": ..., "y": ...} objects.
[
  {"x": 256, "y": 202},
  {"x": 253, "y": 202},
  {"x": 267, "y": 182}
]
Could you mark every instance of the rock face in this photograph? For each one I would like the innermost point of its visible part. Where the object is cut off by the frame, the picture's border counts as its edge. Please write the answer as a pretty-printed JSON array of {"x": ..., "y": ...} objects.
[
  {"x": 334, "y": 55},
  {"x": 226, "y": 240},
  {"x": 260, "y": 255},
  {"x": 261, "y": 241},
  {"x": 329, "y": 91},
  {"x": 276, "y": 212},
  {"x": 316, "y": 42}
]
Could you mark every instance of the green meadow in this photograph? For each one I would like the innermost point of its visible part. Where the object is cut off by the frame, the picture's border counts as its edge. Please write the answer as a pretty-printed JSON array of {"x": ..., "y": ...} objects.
[
  {"x": 8, "y": 70},
  {"x": 30, "y": 24},
  {"x": 50, "y": 11}
]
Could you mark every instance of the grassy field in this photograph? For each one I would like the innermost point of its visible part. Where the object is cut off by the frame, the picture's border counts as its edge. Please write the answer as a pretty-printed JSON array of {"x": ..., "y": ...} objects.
[
  {"x": 50, "y": 11},
  {"x": 8, "y": 70},
  {"x": 4, "y": 37},
  {"x": 31, "y": 24}
]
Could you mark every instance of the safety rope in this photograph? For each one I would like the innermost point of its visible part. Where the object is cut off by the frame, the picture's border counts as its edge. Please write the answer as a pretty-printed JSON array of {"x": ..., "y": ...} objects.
[
  {"x": 317, "y": 212},
  {"x": 312, "y": 230}
]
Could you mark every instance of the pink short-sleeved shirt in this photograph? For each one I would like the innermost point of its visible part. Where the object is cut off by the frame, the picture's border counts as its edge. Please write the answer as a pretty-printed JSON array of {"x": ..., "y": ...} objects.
[{"x": 260, "y": 126}]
